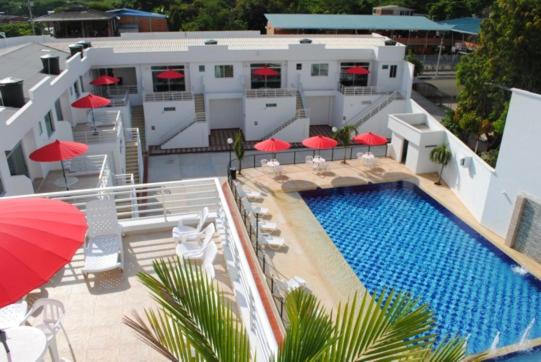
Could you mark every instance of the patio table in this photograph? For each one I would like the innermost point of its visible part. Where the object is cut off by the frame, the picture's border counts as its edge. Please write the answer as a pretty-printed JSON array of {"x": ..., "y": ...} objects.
[
  {"x": 368, "y": 159},
  {"x": 25, "y": 344},
  {"x": 13, "y": 315},
  {"x": 318, "y": 162}
]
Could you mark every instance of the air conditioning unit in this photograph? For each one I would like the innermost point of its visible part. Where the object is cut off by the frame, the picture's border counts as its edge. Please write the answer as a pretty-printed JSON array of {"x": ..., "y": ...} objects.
[{"x": 465, "y": 162}]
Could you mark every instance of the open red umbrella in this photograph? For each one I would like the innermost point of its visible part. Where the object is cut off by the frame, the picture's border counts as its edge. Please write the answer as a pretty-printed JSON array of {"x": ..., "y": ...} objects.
[
  {"x": 105, "y": 80},
  {"x": 272, "y": 145},
  {"x": 266, "y": 72},
  {"x": 37, "y": 238},
  {"x": 91, "y": 101},
  {"x": 59, "y": 151},
  {"x": 319, "y": 142},
  {"x": 168, "y": 75},
  {"x": 357, "y": 70},
  {"x": 370, "y": 139}
]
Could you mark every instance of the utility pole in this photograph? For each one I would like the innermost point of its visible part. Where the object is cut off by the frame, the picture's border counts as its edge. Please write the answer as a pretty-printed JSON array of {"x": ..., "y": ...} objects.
[
  {"x": 439, "y": 56},
  {"x": 29, "y": 5}
]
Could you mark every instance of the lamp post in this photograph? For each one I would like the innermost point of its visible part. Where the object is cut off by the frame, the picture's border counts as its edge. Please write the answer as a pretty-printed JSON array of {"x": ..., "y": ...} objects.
[
  {"x": 230, "y": 143},
  {"x": 334, "y": 130}
]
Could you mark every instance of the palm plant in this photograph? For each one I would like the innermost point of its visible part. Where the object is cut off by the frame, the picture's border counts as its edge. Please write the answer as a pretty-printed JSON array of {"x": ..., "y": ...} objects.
[
  {"x": 238, "y": 147},
  {"x": 343, "y": 135},
  {"x": 193, "y": 321},
  {"x": 440, "y": 155}
]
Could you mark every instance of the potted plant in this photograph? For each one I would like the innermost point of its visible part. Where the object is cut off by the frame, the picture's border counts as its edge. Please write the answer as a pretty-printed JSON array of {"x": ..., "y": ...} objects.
[
  {"x": 238, "y": 147},
  {"x": 440, "y": 155},
  {"x": 343, "y": 135}
]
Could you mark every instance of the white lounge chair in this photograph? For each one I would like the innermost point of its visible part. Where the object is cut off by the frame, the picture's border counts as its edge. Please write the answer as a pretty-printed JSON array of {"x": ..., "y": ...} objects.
[
  {"x": 103, "y": 249},
  {"x": 309, "y": 159},
  {"x": 288, "y": 285},
  {"x": 47, "y": 315},
  {"x": 208, "y": 260},
  {"x": 273, "y": 242},
  {"x": 195, "y": 249},
  {"x": 264, "y": 162},
  {"x": 266, "y": 225},
  {"x": 189, "y": 232},
  {"x": 255, "y": 209},
  {"x": 249, "y": 194}
]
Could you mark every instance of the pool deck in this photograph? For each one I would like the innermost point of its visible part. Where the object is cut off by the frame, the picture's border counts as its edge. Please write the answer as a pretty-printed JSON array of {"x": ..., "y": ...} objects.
[{"x": 310, "y": 253}]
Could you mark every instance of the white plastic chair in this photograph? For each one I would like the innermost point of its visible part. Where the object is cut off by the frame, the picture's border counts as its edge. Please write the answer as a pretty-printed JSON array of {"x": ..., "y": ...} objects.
[
  {"x": 103, "y": 250},
  {"x": 47, "y": 314},
  {"x": 309, "y": 160},
  {"x": 360, "y": 155},
  {"x": 249, "y": 194},
  {"x": 208, "y": 260},
  {"x": 196, "y": 249},
  {"x": 255, "y": 209},
  {"x": 189, "y": 232},
  {"x": 264, "y": 162},
  {"x": 271, "y": 241}
]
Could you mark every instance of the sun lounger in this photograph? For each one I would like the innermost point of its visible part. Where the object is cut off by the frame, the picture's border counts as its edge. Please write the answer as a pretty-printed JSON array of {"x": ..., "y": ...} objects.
[
  {"x": 189, "y": 232},
  {"x": 195, "y": 249},
  {"x": 254, "y": 209},
  {"x": 249, "y": 194},
  {"x": 271, "y": 241}
]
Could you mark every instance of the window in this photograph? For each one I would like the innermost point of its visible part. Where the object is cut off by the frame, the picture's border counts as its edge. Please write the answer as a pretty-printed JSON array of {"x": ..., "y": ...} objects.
[
  {"x": 169, "y": 109},
  {"x": 165, "y": 85},
  {"x": 76, "y": 89},
  {"x": 58, "y": 110},
  {"x": 299, "y": 66},
  {"x": 269, "y": 81},
  {"x": 385, "y": 66},
  {"x": 271, "y": 105},
  {"x": 16, "y": 161},
  {"x": 353, "y": 80},
  {"x": 49, "y": 124},
  {"x": 320, "y": 70},
  {"x": 81, "y": 82},
  {"x": 40, "y": 128},
  {"x": 2, "y": 190},
  {"x": 223, "y": 71},
  {"x": 201, "y": 68},
  {"x": 392, "y": 71}
]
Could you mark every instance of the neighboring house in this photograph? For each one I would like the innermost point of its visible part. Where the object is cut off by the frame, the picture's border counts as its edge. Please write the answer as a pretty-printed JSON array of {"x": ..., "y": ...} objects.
[
  {"x": 132, "y": 20},
  {"x": 392, "y": 10},
  {"x": 7, "y": 19},
  {"x": 465, "y": 32},
  {"x": 80, "y": 22},
  {"x": 418, "y": 33}
]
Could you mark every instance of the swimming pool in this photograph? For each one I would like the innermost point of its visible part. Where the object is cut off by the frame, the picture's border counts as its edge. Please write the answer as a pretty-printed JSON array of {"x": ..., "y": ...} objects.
[{"x": 393, "y": 235}]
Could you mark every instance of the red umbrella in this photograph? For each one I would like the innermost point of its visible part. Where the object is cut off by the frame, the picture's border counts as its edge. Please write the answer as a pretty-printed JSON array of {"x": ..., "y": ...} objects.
[
  {"x": 272, "y": 145},
  {"x": 37, "y": 238},
  {"x": 59, "y": 151},
  {"x": 170, "y": 74},
  {"x": 357, "y": 70},
  {"x": 370, "y": 139},
  {"x": 266, "y": 72},
  {"x": 91, "y": 101},
  {"x": 105, "y": 80},
  {"x": 319, "y": 142}
]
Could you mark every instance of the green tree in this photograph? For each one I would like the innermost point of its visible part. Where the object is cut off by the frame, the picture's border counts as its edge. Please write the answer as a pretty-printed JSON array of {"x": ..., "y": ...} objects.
[
  {"x": 194, "y": 321},
  {"x": 418, "y": 65},
  {"x": 238, "y": 147},
  {"x": 440, "y": 155},
  {"x": 343, "y": 135},
  {"x": 448, "y": 9}
]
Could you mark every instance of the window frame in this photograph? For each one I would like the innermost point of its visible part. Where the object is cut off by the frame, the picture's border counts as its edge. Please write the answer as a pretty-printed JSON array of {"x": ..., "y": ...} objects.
[
  {"x": 49, "y": 123},
  {"x": 393, "y": 69},
  {"x": 58, "y": 110},
  {"x": 319, "y": 70},
  {"x": 221, "y": 71},
  {"x": 174, "y": 85}
]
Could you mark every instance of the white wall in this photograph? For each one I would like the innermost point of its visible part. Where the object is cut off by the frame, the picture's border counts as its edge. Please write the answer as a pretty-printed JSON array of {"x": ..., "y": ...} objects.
[
  {"x": 194, "y": 136},
  {"x": 320, "y": 109},
  {"x": 517, "y": 171},
  {"x": 378, "y": 122},
  {"x": 225, "y": 113},
  {"x": 166, "y": 122},
  {"x": 260, "y": 119},
  {"x": 296, "y": 131}
]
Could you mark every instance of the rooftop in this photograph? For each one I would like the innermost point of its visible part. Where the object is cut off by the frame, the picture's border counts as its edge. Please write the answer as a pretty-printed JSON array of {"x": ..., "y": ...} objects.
[
  {"x": 24, "y": 62},
  {"x": 359, "y": 22},
  {"x": 76, "y": 14},
  {"x": 464, "y": 25},
  {"x": 135, "y": 12}
]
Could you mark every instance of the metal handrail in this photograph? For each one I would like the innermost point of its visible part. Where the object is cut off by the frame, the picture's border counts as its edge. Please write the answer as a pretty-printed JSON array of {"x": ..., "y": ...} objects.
[
  {"x": 168, "y": 96},
  {"x": 270, "y": 92},
  {"x": 198, "y": 117},
  {"x": 366, "y": 113},
  {"x": 102, "y": 134},
  {"x": 133, "y": 135},
  {"x": 356, "y": 90}
]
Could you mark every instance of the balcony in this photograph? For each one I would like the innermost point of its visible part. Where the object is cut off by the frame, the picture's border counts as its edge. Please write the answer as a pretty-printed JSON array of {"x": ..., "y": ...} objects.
[
  {"x": 270, "y": 92},
  {"x": 168, "y": 96},
  {"x": 356, "y": 90},
  {"x": 108, "y": 128}
]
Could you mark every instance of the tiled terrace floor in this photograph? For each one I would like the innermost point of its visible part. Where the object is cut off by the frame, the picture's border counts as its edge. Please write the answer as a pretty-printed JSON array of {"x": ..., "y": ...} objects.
[
  {"x": 310, "y": 253},
  {"x": 54, "y": 182},
  {"x": 95, "y": 307}
]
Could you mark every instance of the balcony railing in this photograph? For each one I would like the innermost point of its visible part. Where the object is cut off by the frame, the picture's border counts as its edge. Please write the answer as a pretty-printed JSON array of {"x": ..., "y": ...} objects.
[
  {"x": 108, "y": 129},
  {"x": 356, "y": 90},
  {"x": 270, "y": 92},
  {"x": 168, "y": 96}
]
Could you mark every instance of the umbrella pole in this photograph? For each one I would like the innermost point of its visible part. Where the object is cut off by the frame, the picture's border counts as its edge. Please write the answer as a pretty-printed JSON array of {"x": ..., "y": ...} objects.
[
  {"x": 64, "y": 174},
  {"x": 94, "y": 121}
]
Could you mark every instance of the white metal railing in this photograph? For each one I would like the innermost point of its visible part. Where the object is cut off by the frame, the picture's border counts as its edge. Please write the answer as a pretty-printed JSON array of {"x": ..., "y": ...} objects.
[
  {"x": 198, "y": 117},
  {"x": 128, "y": 179},
  {"x": 105, "y": 178},
  {"x": 356, "y": 90},
  {"x": 133, "y": 135},
  {"x": 368, "y": 112},
  {"x": 102, "y": 134},
  {"x": 119, "y": 100},
  {"x": 270, "y": 92},
  {"x": 121, "y": 89},
  {"x": 85, "y": 165},
  {"x": 168, "y": 96},
  {"x": 253, "y": 313}
]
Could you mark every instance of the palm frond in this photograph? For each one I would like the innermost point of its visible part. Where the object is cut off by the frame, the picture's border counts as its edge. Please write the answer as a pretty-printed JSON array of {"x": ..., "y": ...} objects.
[
  {"x": 193, "y": 320},
  {"x": 310, "y": 331},
  {"x": 453, "y": 349}
]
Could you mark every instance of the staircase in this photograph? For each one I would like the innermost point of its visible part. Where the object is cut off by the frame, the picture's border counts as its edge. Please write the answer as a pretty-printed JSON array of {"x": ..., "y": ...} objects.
[
  {"x": 370, "y": 111},
  {"x": 200, "y": 116},
  {"x": 300, "y": 113},
  {"x": 132, "y": 161},
  {"x": 138, "y": 121}
]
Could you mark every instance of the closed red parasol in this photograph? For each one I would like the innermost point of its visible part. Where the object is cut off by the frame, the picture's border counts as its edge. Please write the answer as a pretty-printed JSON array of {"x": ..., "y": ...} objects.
[
  {"x": 59, "y": 151},
  {"x": 357, "y": 70},
  {"x": 320, "y": 142},
  {"x": 37, "y": 238},
  {"x": 105, "y": 80}
]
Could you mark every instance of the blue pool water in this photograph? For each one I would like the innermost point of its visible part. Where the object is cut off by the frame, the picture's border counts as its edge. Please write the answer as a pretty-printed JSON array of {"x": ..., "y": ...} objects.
[{"x": 395, "y": 236}]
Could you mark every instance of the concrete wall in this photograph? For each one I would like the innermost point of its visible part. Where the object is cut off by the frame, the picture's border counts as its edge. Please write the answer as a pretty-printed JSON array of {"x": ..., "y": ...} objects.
[
  {"x": 225, "y": 113},
  {"x": 296, "y": 131},
  {"x": 194, "y": 136},
  {"x": 378, "y": 122},
  {"x": 321, "y": 109},
  {"x": 160, "y": 123},
  {"x": 261, "y": 119}
]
